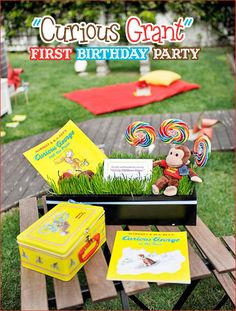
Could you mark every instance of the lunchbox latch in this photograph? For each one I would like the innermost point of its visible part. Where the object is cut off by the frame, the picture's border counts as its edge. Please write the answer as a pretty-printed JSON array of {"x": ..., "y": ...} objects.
[{"x": 86, "y": 231}]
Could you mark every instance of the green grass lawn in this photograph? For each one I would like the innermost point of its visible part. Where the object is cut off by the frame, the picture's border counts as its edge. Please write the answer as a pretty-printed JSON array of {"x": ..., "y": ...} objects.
[
  {"x": 49, "y": 80},
  {"x": 215, "y": 207}
]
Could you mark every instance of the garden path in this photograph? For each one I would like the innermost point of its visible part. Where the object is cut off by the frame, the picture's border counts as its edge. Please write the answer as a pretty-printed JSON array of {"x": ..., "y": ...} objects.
[{"x": 21, "y": 180}]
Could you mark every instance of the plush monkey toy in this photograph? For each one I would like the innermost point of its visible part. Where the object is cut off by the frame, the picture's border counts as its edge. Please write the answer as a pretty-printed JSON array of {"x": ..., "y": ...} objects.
[{"x": 175, "y": 167}]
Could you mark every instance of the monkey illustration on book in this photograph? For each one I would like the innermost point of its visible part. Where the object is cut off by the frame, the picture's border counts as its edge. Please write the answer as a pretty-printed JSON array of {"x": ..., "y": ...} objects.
[{"x": 147, "y": 261}]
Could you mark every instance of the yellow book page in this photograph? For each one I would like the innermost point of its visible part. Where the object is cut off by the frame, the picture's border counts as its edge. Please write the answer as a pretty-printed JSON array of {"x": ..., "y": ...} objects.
[
  {"x": 150, "y": 256},
  {"x": 69, "y": 150}
]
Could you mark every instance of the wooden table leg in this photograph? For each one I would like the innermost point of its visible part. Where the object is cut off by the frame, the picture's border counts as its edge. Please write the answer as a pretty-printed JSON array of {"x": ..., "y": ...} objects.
[{"x": 124, "y": 300}]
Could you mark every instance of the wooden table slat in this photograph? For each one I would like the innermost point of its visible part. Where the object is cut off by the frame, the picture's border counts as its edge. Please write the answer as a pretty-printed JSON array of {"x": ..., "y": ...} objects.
[
  {"x": 15, "y": 188},
  {"x": 194, "y": 116},
  {"x": 93, "y": 128},
  {"x": 100, "y": 137},
  {"x": 21, "y": 146},
  {"x": 33, "y": 284},
  {"x": 156, "y": 122},
  {"x": 213, "y": 248},
  {"x": 37, "y": 186},
  {"x": 68, "y": 294},
  {"x": 231, "y": 121},
  {"x": 230, "y": 241},
  {"x": 120, "y": 142},
  {"x": 233, "y": 273},
  {"x": 111, "y": 135},
  {"x": 198, "y": 270},
  {"x": 145, "y": 118},
  {"x": 96, "y": 271},
  {"x": 229, "y": 127},
  {"x": 215, "y": 138},
  {"x": 20, "y": 186},
  {"x": 130, "y": 287},
  {"x": 220, "y": 131},
  {"x": 19, "y": 169},
  {"x": 227, "y": 283},
  {"x": 84, "y": 126},
  {"x": 186, "y": 117}
]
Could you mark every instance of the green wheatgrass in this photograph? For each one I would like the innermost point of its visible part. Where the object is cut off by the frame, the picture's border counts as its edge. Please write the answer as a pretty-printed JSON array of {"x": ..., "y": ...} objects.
[{"x": 97, "y": 185}]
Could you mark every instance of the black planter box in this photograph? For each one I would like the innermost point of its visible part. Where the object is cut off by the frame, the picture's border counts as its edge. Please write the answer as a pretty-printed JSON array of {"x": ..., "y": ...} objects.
[{"x": 139, "y": 209}]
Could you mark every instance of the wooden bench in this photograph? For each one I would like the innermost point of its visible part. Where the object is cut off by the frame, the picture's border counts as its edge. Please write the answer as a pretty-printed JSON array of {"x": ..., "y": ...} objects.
[
  {"x": 71, "y": 295},
  {"x": 227, "y": 280}
]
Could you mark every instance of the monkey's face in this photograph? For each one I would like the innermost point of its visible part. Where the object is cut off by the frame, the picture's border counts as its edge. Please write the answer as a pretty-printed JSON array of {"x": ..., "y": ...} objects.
[
  {"x": 69, "y": 154},
  {"x": 68, "y": 160},
  {"x": 175, "y": 157}
]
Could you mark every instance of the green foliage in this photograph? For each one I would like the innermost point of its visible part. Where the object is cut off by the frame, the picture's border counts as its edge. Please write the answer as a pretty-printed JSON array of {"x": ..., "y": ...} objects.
[
  {"x": 185, "y": 186},
  {"x": 10, "y": 261},
  {"x": 218, "y": 14},
  {"x": 97, "y": 185},
  {"x": 18, "y": 15}
]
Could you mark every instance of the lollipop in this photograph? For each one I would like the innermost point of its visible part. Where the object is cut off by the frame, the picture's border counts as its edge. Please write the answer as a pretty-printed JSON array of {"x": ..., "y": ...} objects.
[
  {"x": 173, "y": 131},
  {"x": 202, "y": 150},
  {"x": 140, "y": 134}
]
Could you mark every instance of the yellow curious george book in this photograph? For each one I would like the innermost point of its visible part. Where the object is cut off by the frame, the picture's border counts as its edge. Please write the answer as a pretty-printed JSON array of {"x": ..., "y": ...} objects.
[
  {"x": 67, "y": 152},
  {"x": 150, "y": 256}
]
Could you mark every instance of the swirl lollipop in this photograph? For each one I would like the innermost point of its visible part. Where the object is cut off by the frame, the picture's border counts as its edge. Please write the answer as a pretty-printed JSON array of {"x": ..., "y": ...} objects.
[
  {"x": 173, "y": 131},
  {"x": 140, "y": 134},
  {"x": 202, "y": 150}
]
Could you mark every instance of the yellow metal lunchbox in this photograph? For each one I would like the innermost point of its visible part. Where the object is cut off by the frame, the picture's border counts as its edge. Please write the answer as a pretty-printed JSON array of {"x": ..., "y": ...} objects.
[{"x": 63, "y": 240}]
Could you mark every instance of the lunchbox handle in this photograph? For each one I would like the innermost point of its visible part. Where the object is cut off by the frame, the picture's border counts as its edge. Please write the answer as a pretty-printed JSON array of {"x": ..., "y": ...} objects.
[{"x": 96, "y": 239}]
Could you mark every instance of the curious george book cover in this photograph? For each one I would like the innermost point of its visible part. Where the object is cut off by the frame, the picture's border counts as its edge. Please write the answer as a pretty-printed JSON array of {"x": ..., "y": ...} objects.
[
  {"x": 67, "y": 153},
  {"x": 150, "y": 256}
]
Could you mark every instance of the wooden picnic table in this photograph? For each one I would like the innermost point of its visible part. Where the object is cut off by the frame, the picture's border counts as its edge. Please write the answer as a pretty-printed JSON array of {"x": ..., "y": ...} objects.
[{"x": 212, "y": 257}]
